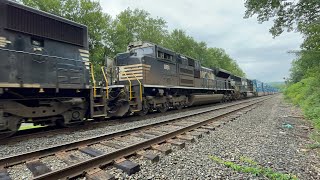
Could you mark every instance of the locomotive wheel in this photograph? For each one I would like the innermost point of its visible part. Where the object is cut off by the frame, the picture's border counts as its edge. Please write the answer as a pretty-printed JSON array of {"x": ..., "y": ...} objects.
[
  {"x": 179, "y": 107},
  {"x": 60, "y": 123},
  {"x": 163, "y": 108},
  {"x": 144, "y": 111},
  {"x": 14, "y": 124}
]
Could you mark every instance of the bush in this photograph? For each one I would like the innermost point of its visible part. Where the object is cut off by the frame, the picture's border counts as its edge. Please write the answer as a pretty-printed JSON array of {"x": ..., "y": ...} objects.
[{"x": 306, "y": 94}]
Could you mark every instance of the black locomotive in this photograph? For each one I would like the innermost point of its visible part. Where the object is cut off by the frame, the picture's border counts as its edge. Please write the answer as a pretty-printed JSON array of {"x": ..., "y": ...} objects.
[
  {"x": 44, "y": 68},
  {"x": 152, "y": 77},
  {"x": 46, "y": 77}
]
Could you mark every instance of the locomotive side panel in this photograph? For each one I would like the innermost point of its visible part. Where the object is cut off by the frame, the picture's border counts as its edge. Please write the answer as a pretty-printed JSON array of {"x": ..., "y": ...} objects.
[
  {"x": 41, "y": 50},
  {"x": 44, "y": 69}
]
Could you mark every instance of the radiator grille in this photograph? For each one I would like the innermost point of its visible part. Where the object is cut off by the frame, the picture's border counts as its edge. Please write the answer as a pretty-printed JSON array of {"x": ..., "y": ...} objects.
[
  {"x": 186, "y": 71},
  {"x": 25, "y": 21},
  {"x": 186, "y": 81}
]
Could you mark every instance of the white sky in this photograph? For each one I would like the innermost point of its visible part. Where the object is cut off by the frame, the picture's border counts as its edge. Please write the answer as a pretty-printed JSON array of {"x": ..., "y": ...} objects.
[{"x": 220, "y": 24}]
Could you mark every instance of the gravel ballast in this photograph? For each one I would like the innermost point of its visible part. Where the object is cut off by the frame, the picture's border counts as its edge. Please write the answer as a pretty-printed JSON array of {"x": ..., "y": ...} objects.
[{"x": 259, "y": 135}]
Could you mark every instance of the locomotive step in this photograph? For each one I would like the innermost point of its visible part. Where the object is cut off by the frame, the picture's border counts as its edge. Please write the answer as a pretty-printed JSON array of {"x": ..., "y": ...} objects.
[
  {"x": 133, "y": 104},
  {"x": 98, "y": 105},
  {"x": 99, "y": 115}
]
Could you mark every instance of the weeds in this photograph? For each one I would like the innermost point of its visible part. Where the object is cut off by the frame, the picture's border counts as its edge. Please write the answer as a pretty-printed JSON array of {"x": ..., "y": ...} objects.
[{"x": 253, "y": 168}]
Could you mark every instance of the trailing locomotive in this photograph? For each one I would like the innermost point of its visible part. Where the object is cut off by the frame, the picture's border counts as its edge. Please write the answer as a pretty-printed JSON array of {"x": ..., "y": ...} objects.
[
  {"x": 150, "y": 77},
  {"x": 46, "y": 77}
]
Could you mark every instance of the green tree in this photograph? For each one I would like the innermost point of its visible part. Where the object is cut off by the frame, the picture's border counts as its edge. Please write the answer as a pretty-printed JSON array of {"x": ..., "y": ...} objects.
[
  {"x": 287, "y": 14},
  {"x": 135, "y": 25}
]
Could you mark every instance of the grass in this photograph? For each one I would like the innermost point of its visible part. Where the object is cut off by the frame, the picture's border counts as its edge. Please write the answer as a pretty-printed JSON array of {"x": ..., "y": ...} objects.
[
  {"x": 29, "y": 127},
  {"x": 254, "y": 168}
]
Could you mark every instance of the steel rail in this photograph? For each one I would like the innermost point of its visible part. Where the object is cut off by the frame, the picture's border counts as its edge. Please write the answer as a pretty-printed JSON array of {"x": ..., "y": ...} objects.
[
  {"x": 103, "y": 160},
  {"x": 21, "y": 158}
]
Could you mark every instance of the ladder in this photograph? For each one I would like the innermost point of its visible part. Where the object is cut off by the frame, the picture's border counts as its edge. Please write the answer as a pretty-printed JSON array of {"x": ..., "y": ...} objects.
[
  {"x": 99, "y": 97},
  {"x": 135, "y": 92},
  {"x": 99, "y": 104}
]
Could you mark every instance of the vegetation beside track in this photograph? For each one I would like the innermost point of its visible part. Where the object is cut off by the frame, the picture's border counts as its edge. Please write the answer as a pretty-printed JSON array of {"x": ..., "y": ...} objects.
[
  {"x": 253, "y": 168},
  {"x": 26, "y": 127},
  {"x": 303, "y": 86}
]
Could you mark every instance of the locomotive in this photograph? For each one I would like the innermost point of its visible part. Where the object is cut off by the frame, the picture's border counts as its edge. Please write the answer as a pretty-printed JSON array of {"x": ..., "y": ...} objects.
[
  {"x": 155, "y": 78},
  {"x": 46, "y": 77}
]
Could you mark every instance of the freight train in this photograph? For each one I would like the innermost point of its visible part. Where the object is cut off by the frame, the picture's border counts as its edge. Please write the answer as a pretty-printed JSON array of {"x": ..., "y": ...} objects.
[{"x": 46, "y": 77}]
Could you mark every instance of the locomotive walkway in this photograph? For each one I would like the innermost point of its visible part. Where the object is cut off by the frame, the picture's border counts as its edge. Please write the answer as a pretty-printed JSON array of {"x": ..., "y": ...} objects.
[{"x": 264, "y": 135}]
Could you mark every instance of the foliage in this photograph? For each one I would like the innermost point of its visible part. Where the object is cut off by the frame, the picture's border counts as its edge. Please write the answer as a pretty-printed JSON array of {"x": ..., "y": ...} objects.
[
  {"x": 279, "y": 85},
  {"x": 132, "y": 25},
  {"x": 306, "y": 94},
  {"x": 287, "y": 14},
  {"x": 253, "y": 168},
  {"x": 180, "y": 42}
]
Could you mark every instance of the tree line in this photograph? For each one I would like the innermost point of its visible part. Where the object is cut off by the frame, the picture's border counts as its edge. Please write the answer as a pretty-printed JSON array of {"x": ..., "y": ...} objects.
[
  {"x": 302, "y": 16},
  {"x": 109, "y": 36}
]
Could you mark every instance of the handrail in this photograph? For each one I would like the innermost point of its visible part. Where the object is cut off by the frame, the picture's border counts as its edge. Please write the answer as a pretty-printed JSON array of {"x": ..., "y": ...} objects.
[
  {"x": 140, "y": 85},
  {"x": 106, "y": 79},
  {"x": 94, "y": 81},
  {"x": 130, "y": 87}
]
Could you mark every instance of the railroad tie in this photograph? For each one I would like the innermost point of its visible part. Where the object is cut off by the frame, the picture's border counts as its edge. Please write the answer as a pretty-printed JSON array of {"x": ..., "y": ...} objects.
[
  {"x": 99, "y": 174},
  {"x": 37, "y": 168},
  {"x": 216, "y": 124},
  {"x": 150, "y": 156},
  {"x": 91, "y": 152},
  {"x": 4, "y": 175},
  {"x": 162, "y": 148},
  {"x": 127, "y": 166},
  {"x": 209, "y": 127},
  {"x": 69, "y": 159},
  {"x": 186, "y": 137},
  {"x": 178, "y": 143},
  {"x": 195, "y": 134},
  {"x": 203, "y": 130},
  {"x": 111, "y": 144},
  {"x": 142, "y": 135}
]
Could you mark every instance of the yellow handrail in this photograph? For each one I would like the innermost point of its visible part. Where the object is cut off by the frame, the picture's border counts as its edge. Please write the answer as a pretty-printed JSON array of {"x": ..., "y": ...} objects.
[
  {"x": 94, "y": 82},
  {"x": 106, "y": 79},
  {"x": 130, "y": 87},
  {"x": 140, "y": 85}
]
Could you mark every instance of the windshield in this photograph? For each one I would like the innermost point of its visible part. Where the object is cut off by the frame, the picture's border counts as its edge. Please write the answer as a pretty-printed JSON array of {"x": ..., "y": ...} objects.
[{"x": 143, "y": 51}]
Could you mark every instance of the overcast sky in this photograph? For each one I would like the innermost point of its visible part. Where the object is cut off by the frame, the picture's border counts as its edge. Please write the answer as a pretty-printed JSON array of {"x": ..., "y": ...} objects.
[{"x": 220, "y": 23}]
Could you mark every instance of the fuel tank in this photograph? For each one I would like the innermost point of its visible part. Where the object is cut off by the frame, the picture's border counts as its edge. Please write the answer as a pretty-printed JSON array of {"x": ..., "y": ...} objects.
[
  {"x": 250, "y": 94},
  {"x": 200, "y": 99}
]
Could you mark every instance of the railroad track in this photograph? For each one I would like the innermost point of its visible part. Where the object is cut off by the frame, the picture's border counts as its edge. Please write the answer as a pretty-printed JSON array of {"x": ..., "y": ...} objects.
[
  {"x": 112, "y": 149},
  {"x": 24, "y": 135}
]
